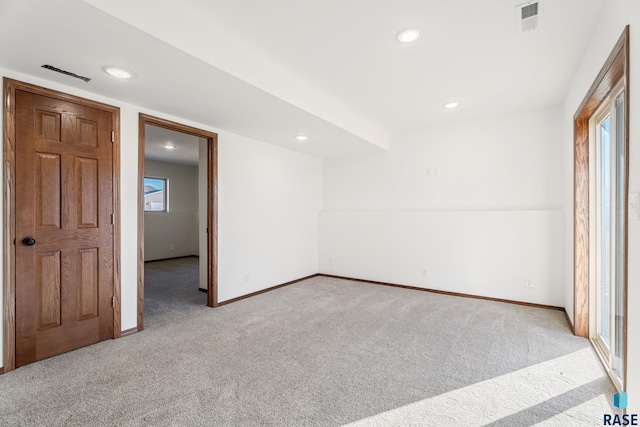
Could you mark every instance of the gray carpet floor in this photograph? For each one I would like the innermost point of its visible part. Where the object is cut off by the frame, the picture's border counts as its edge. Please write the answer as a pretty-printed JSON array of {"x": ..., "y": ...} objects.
[
  {"x": 322, "y": 352},
  {"x": 171, "y": 291}
]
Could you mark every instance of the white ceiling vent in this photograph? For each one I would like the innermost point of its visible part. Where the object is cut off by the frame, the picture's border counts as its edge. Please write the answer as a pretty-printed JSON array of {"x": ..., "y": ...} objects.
[{"x": 527, "y": 16}]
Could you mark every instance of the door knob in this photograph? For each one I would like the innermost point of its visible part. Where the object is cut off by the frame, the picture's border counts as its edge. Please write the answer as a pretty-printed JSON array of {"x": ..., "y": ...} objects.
[{"x": 29, "y": 241}]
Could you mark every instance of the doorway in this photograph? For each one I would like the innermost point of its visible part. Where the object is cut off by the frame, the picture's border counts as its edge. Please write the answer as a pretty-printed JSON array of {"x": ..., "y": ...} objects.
[
  {"x": 600, "y": 224},
  {"x": 158, "y": 201},
  {"x": 61, "y": 231},
  {"x": 609, "y": 224}
]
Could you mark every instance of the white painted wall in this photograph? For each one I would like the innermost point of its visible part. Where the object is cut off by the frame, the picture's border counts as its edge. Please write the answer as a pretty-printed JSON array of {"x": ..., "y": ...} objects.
[
  {"x": 202, "y": 211},
  {"x": 269, "y": 205},
  {"x": 490, "y": 219},
  {"x": 269, "y": 199},
  {"x": 615, "y": 15},
  {"x": 487, "y": 253},
  {"x": 178, "y": 227}
]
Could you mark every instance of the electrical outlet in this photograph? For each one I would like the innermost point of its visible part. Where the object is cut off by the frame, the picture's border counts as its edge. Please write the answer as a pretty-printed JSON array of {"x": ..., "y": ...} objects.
[
  {"x": 171, "y": 247},
  {"x": 634, "y": 206},
  {"x": 246, "y": 277},
  {"x": 331, "y": 260},
  {"x": 528, "y": 283},
  {"x": 425, "y": 272}
]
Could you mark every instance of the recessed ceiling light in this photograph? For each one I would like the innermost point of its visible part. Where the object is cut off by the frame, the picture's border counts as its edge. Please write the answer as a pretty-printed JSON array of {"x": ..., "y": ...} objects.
[
  {"x": 451, "y": 105},
  {"x": 408, "y": 35},
  {"x": 118, "y": 72},
  {"x": 302, "y": 138},
  {"x": 169, "y": 146}
]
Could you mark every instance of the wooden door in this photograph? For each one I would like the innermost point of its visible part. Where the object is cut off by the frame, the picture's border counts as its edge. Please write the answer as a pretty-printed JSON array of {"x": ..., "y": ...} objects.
[{"x": 64, "y": 202}]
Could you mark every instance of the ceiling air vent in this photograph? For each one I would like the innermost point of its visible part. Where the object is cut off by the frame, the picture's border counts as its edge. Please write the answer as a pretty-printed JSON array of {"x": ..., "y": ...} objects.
[
  {"x": 66, "y": 73},
  {"x": 527, "y": 16}
]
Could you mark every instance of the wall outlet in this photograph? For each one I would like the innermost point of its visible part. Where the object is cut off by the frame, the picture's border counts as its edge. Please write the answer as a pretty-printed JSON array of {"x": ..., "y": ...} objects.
[
  {"x": 425, "y": 272},
  {"x": 528, "y": 283},
  {"x": 432, "y": 172},
  {"x": 331, "y": 260},
  {"x": 634, "y": 206},
  {"x": 246, "y": 277},
  {"x": 171, "y": 247}
]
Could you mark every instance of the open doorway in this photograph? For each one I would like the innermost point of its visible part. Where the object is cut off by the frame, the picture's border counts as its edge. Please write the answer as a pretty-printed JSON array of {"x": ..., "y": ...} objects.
[{"x": 177, "y": 218}]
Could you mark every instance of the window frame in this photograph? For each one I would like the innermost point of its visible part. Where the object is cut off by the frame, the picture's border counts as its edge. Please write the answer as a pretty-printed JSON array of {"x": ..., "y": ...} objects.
[
  {"x": 605, "y": 352},
  {"x": 165, "y": 198}
]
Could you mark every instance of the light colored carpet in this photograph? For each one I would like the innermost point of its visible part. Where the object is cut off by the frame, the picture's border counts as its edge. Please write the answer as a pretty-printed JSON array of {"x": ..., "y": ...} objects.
[{"x": 323, "y": 352}]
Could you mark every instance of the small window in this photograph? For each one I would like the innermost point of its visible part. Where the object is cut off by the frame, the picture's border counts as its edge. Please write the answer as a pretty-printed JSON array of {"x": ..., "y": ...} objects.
[{"x": 155, "y": 194}]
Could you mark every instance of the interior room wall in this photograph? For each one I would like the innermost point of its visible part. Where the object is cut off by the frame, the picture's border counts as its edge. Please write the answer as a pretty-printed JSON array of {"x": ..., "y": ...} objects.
[
  {"x": 174, "y": 233},
  {"x": 269, "y": 224},
  {"x": 615, "y": 15},
  {"x": 202, "y": 211},
  {"x": 269, "y": 199},
  {"x": 474, "y": 207}
]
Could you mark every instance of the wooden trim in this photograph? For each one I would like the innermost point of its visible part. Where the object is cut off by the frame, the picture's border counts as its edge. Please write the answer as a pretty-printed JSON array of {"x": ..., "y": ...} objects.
[
  {"x": 581, "y": 226},
  {"x": 9, "y": 227},
  {"x": 9, "y": 220},
  {"x": 453, "y": 294},
  {"x": 615, "y": 68},
  {"x": 273, "y": 288},
  {"x": 140, "y": 275},
  {"x": 1, "y": 370},
  {"x": 169, "y": 259},
  {"x": 212, "y": 221},
  {"x": 117, "y": 276},
  {"x": 212, "y": 206},
  {"x": 129, "y": 332}
]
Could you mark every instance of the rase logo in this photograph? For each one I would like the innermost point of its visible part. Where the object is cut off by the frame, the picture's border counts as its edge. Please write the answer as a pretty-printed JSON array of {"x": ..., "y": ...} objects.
[{"x": 620, "y": 402}]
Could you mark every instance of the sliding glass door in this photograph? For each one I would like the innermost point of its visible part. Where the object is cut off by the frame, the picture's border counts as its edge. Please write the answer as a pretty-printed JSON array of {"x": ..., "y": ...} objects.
[{"x": 608, "y": 124}]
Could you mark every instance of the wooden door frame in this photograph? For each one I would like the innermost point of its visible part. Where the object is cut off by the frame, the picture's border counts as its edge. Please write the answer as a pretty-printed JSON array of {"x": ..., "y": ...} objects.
[
  {"x": 614, "y": 69},
  {"x": 9, "y": 210},
  {"x": 212, "y": 206}
]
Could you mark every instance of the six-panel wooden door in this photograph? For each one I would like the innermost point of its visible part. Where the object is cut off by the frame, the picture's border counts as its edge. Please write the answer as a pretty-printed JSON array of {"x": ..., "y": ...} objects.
[{"x": 64, "y": 231}]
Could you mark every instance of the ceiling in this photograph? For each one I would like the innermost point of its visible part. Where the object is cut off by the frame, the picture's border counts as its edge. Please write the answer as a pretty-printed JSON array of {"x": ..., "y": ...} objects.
[
  {"x": 186, "y": 147},
  {"x": 332, "y": 70}
]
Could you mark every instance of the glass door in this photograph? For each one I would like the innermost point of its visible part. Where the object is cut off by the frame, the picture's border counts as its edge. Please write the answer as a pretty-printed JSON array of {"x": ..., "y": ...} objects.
[{"x": 610, "y": 223}]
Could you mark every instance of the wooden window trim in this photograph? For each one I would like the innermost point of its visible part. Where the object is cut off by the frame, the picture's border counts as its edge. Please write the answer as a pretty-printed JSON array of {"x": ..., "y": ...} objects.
[{"x": 614, "y": 69}]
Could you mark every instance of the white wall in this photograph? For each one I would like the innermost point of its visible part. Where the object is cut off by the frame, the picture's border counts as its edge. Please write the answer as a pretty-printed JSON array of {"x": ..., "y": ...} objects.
[
  {"x": 269, "y": 203},
  {"x": 487, "y": 253},
  {"x": 202, "y": 211},
  {"x": 269, "y": 199},
  {"x": 615, "y": 15},
  {"x": 490, "y": 219},
  {"x": 173, "y": 233}
]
